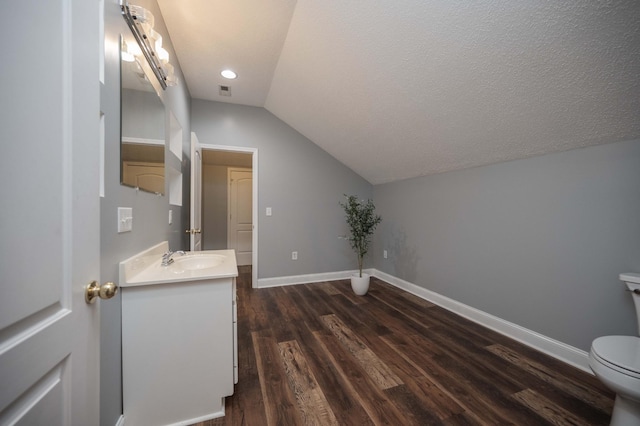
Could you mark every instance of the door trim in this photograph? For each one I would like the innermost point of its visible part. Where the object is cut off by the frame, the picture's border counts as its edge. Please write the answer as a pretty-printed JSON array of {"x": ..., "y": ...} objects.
[
  {"x": 254, "y": 207},
  {"x": 195, "y": 191}
]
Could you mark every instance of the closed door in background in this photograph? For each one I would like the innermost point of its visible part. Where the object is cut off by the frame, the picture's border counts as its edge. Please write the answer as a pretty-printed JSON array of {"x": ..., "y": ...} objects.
[{"x": 240, "y": 223}]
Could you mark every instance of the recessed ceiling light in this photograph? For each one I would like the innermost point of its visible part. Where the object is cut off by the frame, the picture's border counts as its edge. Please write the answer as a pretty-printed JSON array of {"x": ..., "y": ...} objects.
[{"x": 229, "y": 74}]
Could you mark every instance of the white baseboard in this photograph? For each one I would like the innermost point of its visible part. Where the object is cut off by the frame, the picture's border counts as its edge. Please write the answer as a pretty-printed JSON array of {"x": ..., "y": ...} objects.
[
  {"x": 561, "y": 351},
  {"x": 210, "y": 416},
  {"x": 305, "y": 279},
  {"x": 566, "y": 353}
]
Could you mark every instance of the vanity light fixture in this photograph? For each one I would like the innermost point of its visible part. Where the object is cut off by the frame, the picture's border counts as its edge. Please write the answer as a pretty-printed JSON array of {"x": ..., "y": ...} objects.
[
  {"x": 229, "y": 74},
  {"x": 141, "y": 21}
]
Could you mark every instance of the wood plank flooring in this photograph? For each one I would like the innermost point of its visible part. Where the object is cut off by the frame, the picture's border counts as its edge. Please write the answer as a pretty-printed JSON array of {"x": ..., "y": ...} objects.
[{"x": 316, "y": 354}]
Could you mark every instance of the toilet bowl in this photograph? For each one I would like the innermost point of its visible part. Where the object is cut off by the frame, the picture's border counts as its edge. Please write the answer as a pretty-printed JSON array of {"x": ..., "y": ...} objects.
[{"x": 615, "y": 360}]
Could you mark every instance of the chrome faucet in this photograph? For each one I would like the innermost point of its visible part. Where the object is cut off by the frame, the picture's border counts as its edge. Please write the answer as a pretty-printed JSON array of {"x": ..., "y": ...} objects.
[{"x": 167, "y": 258}]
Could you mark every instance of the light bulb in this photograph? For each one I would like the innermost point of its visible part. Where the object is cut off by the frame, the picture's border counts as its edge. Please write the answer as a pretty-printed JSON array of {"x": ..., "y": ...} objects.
[
  {"x": 134, "y": 49},
  {"x": 163, "y": 55},
  {"x": 127, "y": 57}
]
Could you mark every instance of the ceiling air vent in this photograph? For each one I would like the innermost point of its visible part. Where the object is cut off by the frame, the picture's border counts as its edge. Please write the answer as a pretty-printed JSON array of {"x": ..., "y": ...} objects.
[{"x": 224, "y": 90}]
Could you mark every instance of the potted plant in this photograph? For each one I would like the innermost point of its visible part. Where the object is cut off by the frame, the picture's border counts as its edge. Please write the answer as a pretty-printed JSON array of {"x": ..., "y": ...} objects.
[{"x": 362, "y": 221}]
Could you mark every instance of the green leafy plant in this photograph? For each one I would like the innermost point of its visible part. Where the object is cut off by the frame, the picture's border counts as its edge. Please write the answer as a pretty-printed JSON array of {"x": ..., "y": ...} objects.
[{"x": 362, "y": 221}]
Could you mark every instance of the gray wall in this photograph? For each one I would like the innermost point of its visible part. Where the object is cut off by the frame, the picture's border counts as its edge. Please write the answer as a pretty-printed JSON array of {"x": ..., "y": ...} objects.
[
  {"x": 150, "y": 212},
  {"x": 298, "y": 180},
  {"x": 214, "y": 207},
  {"x": 538, "y": 242}
]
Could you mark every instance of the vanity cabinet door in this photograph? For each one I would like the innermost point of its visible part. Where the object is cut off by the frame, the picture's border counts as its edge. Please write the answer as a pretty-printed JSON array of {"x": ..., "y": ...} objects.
[{"x": 177, "y": 351}]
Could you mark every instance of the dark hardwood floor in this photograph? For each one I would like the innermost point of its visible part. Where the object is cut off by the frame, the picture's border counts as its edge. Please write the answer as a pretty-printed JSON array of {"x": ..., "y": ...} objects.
[{"x": 316, "y": 354}]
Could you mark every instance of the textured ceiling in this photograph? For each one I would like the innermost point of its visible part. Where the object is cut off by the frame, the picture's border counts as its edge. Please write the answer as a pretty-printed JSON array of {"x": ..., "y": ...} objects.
[{"x": 404, "y": 88}]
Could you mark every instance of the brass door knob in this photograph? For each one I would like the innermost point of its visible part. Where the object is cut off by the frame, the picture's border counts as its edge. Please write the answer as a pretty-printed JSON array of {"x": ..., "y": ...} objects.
[{"x": 104, "y": 291}]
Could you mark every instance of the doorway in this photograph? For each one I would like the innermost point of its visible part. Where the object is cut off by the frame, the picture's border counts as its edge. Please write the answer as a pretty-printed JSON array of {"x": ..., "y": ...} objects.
[{"x": 223, "y": 203}]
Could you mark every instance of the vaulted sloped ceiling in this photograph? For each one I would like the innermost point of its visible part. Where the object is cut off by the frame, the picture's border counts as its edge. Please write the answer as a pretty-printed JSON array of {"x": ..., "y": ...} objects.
[{"x": 404, "y": 88}]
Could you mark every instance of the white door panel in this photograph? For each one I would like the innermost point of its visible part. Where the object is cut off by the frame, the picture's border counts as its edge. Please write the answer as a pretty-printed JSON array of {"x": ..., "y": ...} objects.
[
  {"x": 240, "y": 225},
  {"x": 244, "y": 186},
  {"x": 49, "y": 229},
  {"x": 244, "y": 241}
]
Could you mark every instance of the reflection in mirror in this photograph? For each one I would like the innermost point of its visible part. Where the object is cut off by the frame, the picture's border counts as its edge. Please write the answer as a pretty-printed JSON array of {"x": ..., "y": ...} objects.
[{"x": 142, "y": 125}]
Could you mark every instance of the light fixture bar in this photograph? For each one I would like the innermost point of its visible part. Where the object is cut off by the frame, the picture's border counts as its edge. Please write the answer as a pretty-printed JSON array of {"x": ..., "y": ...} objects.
[{"x": 145, "y": 44}]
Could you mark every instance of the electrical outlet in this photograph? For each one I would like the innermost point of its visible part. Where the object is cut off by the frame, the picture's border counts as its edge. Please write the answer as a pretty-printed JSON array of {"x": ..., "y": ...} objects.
[
  {"x": 384, "y": 254},
  {"x": 294, "y": 255},
  {"x": 268, "y": 212}
]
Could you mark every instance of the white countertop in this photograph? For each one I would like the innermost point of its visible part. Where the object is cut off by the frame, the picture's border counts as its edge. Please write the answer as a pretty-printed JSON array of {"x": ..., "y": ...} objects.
[{"x": 145, "y": 267}]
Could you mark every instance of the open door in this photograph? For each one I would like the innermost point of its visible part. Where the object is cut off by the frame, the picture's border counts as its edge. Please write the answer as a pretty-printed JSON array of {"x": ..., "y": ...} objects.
[
  {"x": 195, "y": 241},
  {"x": 50, "y": 232}
]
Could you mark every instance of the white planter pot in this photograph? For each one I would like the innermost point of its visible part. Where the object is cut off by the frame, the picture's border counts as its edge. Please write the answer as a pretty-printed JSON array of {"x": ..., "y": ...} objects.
[{"x": 360, "y": 285}]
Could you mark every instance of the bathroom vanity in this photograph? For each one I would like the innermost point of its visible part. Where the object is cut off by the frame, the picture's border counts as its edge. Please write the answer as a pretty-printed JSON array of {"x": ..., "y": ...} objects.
[{"x": 179, "y": 336}]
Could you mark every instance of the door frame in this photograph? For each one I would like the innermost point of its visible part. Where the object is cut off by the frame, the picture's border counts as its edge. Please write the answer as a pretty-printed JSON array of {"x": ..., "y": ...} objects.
[
  {"x": 195, "y": 192},
  {"x": 254, "y": 207}
]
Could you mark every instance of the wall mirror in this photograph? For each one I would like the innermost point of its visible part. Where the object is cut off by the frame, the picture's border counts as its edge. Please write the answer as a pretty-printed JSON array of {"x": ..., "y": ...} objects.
[{"x": 142, "y": 121}]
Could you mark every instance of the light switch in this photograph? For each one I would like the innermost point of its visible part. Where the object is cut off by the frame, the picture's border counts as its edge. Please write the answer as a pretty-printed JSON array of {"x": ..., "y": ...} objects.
[
  {"x": 125, "y": 219},
  {"x": 268, "y": 211},
  {"x": 170, "y": 216}
]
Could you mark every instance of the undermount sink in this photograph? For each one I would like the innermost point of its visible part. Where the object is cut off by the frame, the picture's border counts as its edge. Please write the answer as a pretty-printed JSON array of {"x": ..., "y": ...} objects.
[{"x": 194, "y": 262}]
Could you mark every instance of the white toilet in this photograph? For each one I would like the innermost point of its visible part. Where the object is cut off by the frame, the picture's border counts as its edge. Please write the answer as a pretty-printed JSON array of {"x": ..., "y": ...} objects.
[{"x": 615, "y": 360}]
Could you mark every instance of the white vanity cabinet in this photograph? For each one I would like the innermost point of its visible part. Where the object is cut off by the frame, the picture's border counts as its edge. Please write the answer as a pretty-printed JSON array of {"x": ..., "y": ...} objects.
[{"x": 178, "y": 350}]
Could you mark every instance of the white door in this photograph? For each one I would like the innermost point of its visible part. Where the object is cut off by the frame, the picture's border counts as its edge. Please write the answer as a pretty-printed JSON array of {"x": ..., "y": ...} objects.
[
  {"x": 240, "y": 225},
  {"x": 49, "y": 227},
  {"x": 196, "y": 195}
]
